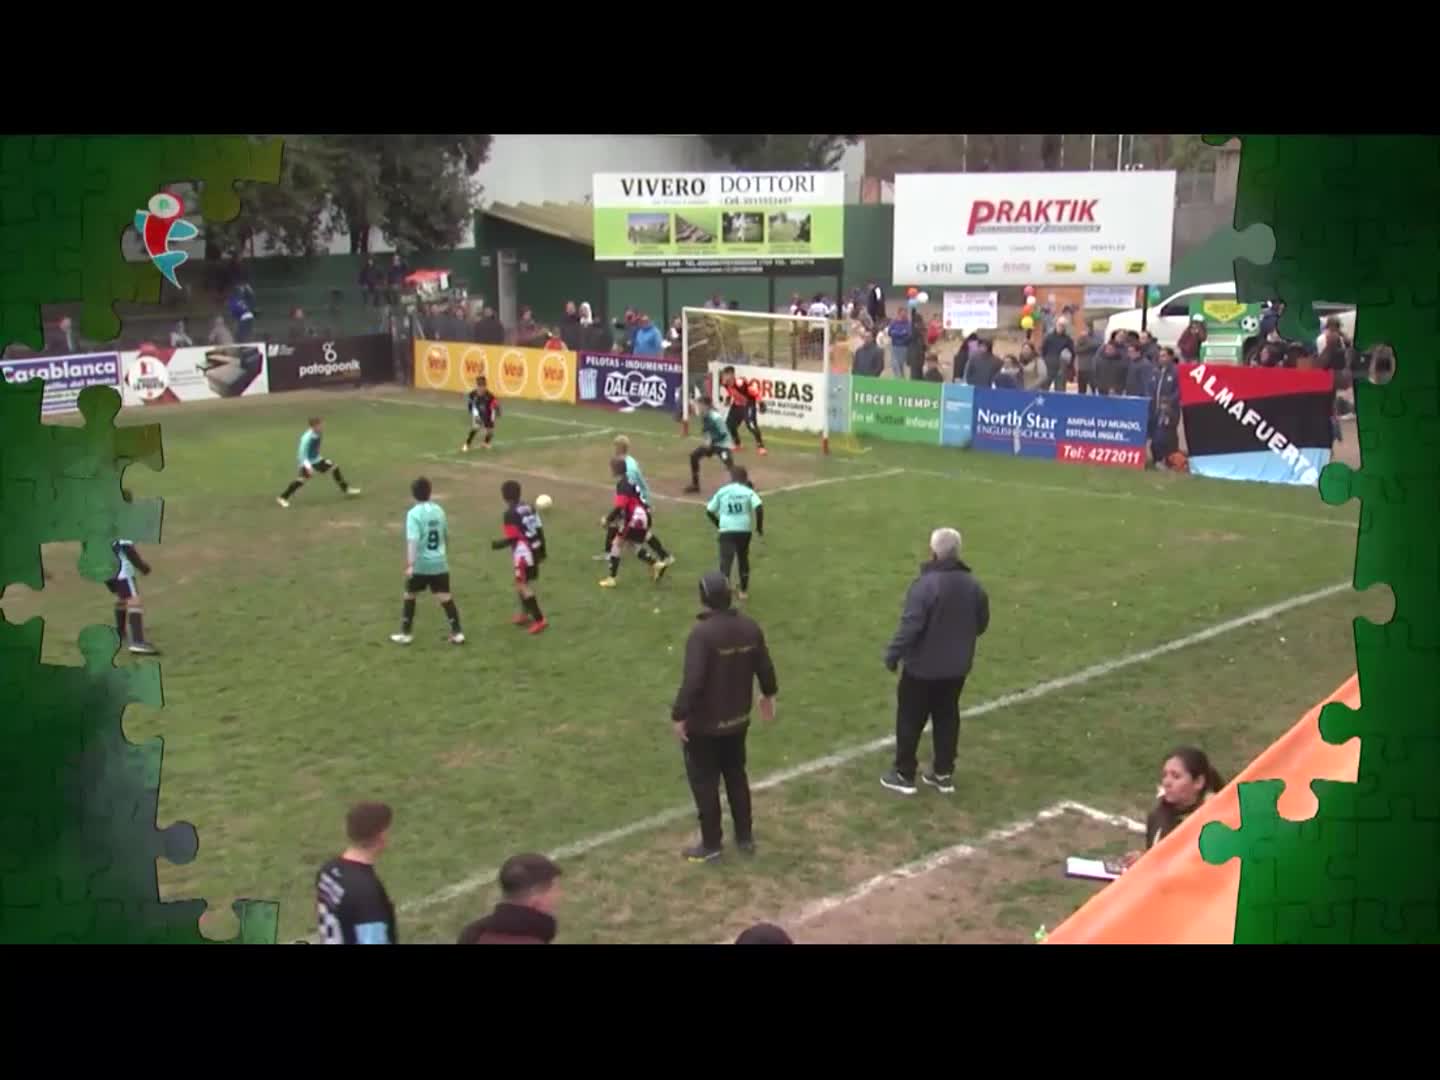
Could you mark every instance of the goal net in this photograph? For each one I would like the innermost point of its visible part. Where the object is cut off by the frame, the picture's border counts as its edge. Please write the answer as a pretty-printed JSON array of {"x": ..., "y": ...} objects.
[{"x": 791, "y": 357}]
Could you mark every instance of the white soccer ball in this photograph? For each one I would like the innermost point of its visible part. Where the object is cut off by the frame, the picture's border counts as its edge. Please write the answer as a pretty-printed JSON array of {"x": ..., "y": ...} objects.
[{"x": 543, "y": 502}]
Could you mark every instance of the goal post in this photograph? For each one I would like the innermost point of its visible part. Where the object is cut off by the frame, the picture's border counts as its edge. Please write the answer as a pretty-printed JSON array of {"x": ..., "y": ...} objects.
[{"x": 791, "y": 357}]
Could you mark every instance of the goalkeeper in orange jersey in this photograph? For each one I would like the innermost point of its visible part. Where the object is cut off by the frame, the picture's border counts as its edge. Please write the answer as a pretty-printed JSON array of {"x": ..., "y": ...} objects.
[{"x": 744, "y": 397}]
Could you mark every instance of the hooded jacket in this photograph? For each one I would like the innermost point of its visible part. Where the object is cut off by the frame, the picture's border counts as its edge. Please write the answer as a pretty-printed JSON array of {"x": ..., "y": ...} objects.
[
  {"x": 725, "y": 655},
  {"x": 946, "y": 610},
  {"x": 510, "y": 924}
]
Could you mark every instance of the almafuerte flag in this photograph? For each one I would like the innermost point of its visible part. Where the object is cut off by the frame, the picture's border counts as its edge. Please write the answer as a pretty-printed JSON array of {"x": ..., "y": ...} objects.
[{"x": 1257, "y": 423}]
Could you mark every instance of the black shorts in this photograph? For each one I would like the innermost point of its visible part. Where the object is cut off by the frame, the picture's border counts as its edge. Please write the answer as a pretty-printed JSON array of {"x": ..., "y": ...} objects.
[
  {"x": 721, "y": 452},
  {"x": 435, "y": 583},
  {"x": 635, "y": 536},
  {"x": 122, "y": 589},
  {"x": 735, "y": 543},
  {"x": 324, "y": 465},
  {"x": 482, "y": 422}
]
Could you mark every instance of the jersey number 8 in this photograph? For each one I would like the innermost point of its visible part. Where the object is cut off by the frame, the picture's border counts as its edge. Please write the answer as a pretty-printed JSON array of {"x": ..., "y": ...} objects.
[{"x": 432, "y": 540}]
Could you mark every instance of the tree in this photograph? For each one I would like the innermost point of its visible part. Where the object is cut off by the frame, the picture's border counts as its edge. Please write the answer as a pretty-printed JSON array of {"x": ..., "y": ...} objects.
[
  {"x": 291, "y": 213},
  {"x": 801, "y": 153}
]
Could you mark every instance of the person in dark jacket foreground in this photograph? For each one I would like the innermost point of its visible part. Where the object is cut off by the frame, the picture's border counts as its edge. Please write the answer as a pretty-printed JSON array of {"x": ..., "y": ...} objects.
[
  {"x": 724, "y": 655},
  {"x": 946, "y": 611},
  {"x": 869, "y": 358},
  {"x": 529, "y": 891},
  {"x": 764, "y": 933}
]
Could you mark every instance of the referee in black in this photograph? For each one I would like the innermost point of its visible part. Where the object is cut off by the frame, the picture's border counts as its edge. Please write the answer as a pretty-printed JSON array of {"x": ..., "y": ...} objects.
[{"x": 725, "y": 655}]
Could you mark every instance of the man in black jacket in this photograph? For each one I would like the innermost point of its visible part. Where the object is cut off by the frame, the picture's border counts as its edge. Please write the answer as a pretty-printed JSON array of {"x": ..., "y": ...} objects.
[
  {"x": 869, "y": 359},
  {"x": 529, "y": 891},
  {"x": 1057, "y": 350},
  {"x": 980, "y": 366},
  {"x": 946, "y": 611},
  {"x": 724, "y": 655}
]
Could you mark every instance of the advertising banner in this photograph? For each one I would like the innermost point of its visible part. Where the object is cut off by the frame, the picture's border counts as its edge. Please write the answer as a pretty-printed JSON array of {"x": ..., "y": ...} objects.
[
  {"x": 64, "y": 376},
  {"x": 898, "y": 410},
  {"x": 512, "y": 372},
  {"x": 1257, "y": 423},
  {"x": 1111, "y": 296},
  {"x": 155, "y": 376},
  {"x": 627, "y": 383},
  {"x": 971, "y": 311},
  {"x": 794, "y": 400},
  {"x": 309, "y": 365},
  {"x": 1083, "y": 428},
  {"x": 957, "y": 414},
  {"x": 1227, "y": 324},
  {"x": 1040, "y": 228},
  {"x": 696, "y": 223}
]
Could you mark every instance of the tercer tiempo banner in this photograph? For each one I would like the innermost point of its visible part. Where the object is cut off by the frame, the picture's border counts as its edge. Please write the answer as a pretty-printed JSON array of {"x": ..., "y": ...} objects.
[{"x": 696, "y": 223}]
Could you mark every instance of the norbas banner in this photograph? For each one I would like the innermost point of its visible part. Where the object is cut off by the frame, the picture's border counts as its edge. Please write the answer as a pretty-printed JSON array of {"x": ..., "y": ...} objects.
[
  {"x": 722, "y": 222},
  {"x": 1083, "y": 428},
  {"x": 901, "y": 410}
]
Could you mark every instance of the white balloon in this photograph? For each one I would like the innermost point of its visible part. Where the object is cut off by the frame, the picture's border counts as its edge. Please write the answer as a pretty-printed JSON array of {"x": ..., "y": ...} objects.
[{"x": 924, "y": 298}]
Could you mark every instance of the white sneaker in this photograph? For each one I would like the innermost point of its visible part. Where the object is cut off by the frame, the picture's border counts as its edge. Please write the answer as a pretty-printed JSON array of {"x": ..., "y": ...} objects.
[
  {"x": 457, "y": 639},
  {"x": 464, "y": 447},
  {"x": 285, "y": 503},
  {"x": 402, "y": 639},
  {"x": 350, "y": 493}
]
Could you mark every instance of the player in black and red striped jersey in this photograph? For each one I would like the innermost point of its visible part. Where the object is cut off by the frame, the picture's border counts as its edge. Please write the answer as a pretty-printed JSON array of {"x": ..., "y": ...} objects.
[
  {"x": 484, "y": 410},
  {"x": 744, "y": 397},
  {"x": 630, "y": 517},
  {"x": 525, "y": 537}
]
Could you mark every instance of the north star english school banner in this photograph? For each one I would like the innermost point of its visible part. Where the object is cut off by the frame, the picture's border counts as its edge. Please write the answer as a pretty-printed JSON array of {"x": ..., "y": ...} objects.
[
  {"x": 64, "y": 376},
  {"x": 1257, "y": 423},
  {"x": 627, "y": 383},
  {"x": 511, "y": 372},
  {"x": 895, "y": 409},
  {"x": 1086, "y": 429},
  {"x": 794, "y": 400},
  {"x": 156, "y": 376},
  {"x": 695, "y": 223}
]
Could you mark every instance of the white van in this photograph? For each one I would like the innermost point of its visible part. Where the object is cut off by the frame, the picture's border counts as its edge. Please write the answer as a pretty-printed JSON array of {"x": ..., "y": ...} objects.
[{"x": 1167, "y": 320}]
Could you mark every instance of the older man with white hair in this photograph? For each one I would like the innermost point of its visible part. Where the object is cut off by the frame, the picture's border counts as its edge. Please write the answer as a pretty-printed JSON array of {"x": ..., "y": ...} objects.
[{"x": 946, "y": 611}]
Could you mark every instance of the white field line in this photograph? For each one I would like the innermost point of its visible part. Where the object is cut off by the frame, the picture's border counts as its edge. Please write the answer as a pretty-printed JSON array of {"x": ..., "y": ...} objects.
[
  {"x": 843, "y": 757},
  {"x": 1137, "y": 497},
  {"x": 553, "y": 477},
  {"x": 955, "y": 853},
  {"x": 460, "y": 409},
  {"x": 806, "y": 485}
]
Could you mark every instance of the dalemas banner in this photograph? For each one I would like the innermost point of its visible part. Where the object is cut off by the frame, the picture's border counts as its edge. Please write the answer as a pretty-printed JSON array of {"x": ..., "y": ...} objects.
[
  {"x": 1228, "y": 323},
  {"x": 627, "y": 383},
  {"x": 156, "y": 376},
  {"x": 511, "y": 372},
  {"x": 794, "y": 400},
  {"x": 310, "y": 365},
  {"x": 64, "y": 376},
  {"x": 1039, "y": 228},
  {"x": 895, "y": 409},
  {"x": 957, "y": 414},
  {"x": 1084, "y": 428},
  {"x": 698, "y": 223},
  {"x": 1257, "y": 423}
]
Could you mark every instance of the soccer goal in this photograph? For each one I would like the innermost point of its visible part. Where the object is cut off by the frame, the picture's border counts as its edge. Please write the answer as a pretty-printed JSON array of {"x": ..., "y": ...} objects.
[{"x": 791, "y": 357}]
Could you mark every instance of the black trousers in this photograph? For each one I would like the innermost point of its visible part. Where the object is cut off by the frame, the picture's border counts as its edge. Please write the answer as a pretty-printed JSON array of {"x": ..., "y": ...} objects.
[
  {"x": 708, "y": 760},
  {"x": 735, "y": 546},
  {"x": 919, "y": 701}
]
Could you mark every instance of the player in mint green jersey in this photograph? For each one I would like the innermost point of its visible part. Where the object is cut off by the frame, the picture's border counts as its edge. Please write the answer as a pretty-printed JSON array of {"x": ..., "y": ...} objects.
[
  {"x": 637, "y": 481},
  {"x": 718, "y": 442},
  {"x": 427, "y": 566},
  {"x": 310, "y": 462},
  {"x": 738, "y": 513}
]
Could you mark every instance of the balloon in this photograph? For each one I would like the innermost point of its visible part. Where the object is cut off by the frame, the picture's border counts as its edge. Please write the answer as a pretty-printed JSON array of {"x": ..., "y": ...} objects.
[
  {"x": 1027, "y": 323},
  {"x": 1029, "y": 290},
  {"x": 924, "y": 298},
  {"x": 912, "y": 291}
]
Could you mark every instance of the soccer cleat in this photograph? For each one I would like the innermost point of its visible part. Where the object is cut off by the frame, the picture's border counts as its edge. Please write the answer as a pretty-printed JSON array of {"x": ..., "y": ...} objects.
[
  {"x": 144, "y": 648},
  {"x": 402, "y": 639},
  {"x": 741, "y": 594},
  {"x": 762, "y": 451},
  {"x": 457, "y": 639},
  {"x": 669, "y": 560},
  {"x": 464, "y": 447},
  {"x": 701, "y": 854},
  {"x": 895, "y": 782},
  {"x": 350, "y": 493},
  {"x": 657, "y": 570},
  {"x": 539, "y": 627},
  {"x": 607, "y": 583},
  {"x": 943, "y": 784},
  {"x": 693, "y": 489},
  {"x": 284, "y": 503},
  {"x": 745, "y": 847},
  {"x": 520, "y": 619}
]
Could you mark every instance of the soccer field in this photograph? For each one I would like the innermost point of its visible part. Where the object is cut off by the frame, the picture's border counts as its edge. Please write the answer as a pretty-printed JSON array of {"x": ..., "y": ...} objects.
[{"x": 285, "y": 700}]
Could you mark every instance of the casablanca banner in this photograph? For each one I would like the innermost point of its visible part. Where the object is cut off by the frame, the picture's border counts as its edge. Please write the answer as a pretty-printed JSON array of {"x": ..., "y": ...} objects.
[
  {"x": 1257, "y": 423},
  {"x": 510, "y": 371},
  {"x": 687, "y": 223},
  {"x": 64, "y": 376},
  {"x": 1085, "y": 429},
  {"x": 161, "y": 376}
]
